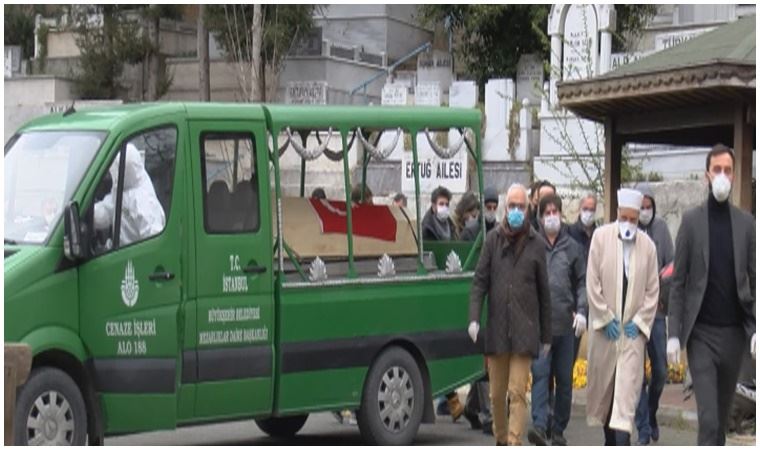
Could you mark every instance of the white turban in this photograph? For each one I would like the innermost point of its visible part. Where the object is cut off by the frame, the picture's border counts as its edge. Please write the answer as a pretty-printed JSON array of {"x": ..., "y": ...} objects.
[{"x": 629, "y": 198}]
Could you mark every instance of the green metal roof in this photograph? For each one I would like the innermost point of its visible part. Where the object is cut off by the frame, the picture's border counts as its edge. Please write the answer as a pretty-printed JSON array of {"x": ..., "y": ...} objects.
[{"x": 733, "y": 43}]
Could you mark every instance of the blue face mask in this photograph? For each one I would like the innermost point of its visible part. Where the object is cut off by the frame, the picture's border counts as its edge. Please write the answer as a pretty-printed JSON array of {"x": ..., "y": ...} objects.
[{"x": 516, "y": 217}]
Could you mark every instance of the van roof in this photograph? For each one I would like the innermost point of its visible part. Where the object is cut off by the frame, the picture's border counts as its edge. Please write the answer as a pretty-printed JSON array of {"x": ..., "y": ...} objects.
[
  {"x": 279, "y": 116},
  {"x": 110, "y": 117}
]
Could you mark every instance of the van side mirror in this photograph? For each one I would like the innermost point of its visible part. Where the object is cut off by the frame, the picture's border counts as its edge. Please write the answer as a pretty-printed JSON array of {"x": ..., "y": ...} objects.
[{"x": 72, "y": 237}]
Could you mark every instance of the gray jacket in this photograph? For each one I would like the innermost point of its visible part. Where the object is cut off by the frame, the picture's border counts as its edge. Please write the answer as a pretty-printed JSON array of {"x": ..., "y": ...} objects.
[
  {"x": 658, "y": 231},
  {"x": 566, "y": 264},
  {"x": 692, "y": 265},
  {"x": 519, "y": 300}
]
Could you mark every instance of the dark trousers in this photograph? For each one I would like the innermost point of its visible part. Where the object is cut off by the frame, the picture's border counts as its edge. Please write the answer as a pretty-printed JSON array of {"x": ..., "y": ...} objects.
[
  {"x": 558, "y": 364},
  {"x": 646, "y": 412},
  {"x": 715, "y": 357}
]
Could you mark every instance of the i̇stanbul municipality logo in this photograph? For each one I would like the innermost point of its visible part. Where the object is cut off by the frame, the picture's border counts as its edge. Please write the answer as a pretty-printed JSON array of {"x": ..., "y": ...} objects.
[{"x": 130, "y": 288}]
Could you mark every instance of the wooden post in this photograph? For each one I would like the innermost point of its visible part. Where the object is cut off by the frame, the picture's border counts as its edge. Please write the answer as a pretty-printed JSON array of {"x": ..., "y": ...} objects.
[
  {"x": 18, "y": 363},
  {"x": 613, "y": 148},
  {"x": 742, "y": 189}
]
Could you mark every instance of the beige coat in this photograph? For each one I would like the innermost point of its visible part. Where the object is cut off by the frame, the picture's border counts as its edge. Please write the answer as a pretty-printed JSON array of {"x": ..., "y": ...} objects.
[{"x": 618, "y": 364}]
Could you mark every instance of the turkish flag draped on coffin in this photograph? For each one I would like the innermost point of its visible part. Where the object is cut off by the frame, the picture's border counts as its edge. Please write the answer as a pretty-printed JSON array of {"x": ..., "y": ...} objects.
[{"x": 372, "y": 221}]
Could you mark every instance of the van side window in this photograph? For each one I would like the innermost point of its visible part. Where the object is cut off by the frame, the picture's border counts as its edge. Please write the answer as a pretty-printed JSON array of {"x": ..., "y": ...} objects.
[
  {"x": 230, "y": 184},
  {"x": 146, "y": 191}
]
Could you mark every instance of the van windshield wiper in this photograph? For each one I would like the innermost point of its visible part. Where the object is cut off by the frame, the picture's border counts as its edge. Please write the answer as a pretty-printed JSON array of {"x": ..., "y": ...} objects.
[{"x": 10, "y": 241}]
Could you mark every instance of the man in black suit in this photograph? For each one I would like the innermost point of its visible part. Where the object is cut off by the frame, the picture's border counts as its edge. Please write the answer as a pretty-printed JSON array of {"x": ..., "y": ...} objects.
[{"x": 712, "y": 299}]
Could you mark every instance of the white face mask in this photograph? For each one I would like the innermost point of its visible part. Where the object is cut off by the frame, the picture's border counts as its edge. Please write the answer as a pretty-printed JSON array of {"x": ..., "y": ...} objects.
[
  {"x": 587, "y": 218},
  {"x": 721, "y": 187},
  {"x": 471, "y": 221},
  {"x": 646, "y": 215},
  {"x": 627, "y": 230},
  {"x": 552, "y": 224},
  {"x": 490, "y": 216},
  {"x": 442, "y": 213}
]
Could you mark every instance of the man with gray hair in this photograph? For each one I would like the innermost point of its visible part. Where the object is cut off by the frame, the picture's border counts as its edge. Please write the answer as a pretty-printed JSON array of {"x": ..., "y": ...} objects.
[{"x": 512, "y": 272}]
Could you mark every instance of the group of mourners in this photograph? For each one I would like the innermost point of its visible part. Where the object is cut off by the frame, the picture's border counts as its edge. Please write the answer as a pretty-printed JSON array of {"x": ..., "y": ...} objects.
[{"x": 544, "y": 283}]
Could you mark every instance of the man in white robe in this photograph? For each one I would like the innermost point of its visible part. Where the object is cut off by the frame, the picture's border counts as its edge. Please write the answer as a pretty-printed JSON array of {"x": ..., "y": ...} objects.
[{"x": 622, "y": 288}]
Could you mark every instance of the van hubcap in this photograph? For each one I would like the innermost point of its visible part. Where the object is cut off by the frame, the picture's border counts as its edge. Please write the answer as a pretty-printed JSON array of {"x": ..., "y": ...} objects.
[
  {"x": 395, "y": 399},
  {"x": 50, "y": 420}
]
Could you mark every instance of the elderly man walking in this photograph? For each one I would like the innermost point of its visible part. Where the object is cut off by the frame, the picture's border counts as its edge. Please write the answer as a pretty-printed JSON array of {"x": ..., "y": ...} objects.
[
  {"x": 512, "y": 271},
  {"x": 712, "y": 299},
  {"x": 622, "y": 289}
]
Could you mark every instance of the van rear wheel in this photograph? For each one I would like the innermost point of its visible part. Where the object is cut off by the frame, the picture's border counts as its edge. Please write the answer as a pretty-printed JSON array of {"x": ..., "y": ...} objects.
[
  {"x": 392, "y": 400},
  {"x": 282, "y": 427},
  {"x": 50, "y": 410}
]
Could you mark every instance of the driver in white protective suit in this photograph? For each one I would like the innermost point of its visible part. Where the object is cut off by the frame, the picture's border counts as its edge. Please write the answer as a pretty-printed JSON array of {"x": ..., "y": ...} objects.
[{"x": 142, "y": 214}]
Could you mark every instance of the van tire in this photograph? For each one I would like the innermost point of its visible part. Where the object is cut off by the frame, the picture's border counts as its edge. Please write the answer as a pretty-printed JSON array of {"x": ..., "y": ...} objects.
[
  {"x": 405, "y": 399},
  {"x": 56, "y": 390},
  {"x": 282, "y": 427}
]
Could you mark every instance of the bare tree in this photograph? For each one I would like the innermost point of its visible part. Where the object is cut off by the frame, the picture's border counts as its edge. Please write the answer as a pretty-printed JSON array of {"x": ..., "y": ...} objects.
[
  {"x": 255, "y": 39},
  {"x": 203, "y": 61},
  {"x": 257, "y": 65}
]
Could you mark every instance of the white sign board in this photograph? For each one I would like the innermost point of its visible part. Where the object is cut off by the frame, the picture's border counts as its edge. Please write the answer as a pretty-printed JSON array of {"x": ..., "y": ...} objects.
[
  {"x": 667, "y": 40},
  {"x": 434, "y": 171},
  {"x": 581, "y": 43},
  {"x": 307, "y": 93}
]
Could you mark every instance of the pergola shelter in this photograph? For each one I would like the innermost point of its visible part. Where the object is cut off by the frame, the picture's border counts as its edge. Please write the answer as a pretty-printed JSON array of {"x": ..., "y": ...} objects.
[{"x": 699, "y": 93}]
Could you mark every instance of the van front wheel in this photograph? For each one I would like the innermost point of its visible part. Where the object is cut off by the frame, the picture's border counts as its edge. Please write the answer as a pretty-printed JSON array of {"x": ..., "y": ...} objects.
[
  {"x": 393, "y": 400},
  {"x": 50, "y": 410},
  {"x": 282, "y": 427}
]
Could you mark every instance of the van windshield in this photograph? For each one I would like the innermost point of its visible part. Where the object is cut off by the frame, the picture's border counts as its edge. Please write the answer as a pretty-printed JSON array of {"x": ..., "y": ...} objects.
[{"x": 42, "y": 171}]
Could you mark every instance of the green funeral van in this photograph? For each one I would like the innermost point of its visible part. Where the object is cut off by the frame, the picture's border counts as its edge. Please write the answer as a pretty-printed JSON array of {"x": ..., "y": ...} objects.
[{"x": 164, "y": 275}]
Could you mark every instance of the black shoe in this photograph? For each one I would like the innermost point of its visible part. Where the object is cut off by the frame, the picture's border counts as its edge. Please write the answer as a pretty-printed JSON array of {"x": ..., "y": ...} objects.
[
  {"x": 488, "y": 428},
  {"x": 537, "y": 436},
  {"x": 474, "y": 421},
  {"x": 559, "y": 440},
  {"x": 655, "y": 429}
]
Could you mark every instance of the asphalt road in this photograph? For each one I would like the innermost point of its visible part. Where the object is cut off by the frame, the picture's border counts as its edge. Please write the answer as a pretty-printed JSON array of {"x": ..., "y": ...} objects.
[{"x": 324, "y": 429}]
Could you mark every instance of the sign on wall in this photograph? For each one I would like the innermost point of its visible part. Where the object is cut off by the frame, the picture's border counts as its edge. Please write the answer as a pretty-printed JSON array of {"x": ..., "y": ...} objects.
[{"x": 307, "y": 93}]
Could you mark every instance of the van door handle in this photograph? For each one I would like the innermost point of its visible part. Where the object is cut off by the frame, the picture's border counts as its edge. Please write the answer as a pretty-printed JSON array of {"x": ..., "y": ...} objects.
[
  {"x": 254, "y": 268},
  {"x": 161, "y": 276}
]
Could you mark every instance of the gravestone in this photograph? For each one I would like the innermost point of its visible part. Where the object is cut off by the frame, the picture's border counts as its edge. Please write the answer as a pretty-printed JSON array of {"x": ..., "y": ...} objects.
[
  {"x": 581, "y": 43},
  {"x": 463, "y": 94},
  {"x": 306, "y": 93},
  {"x": 394, "y": 94},
  {"x": 427, "y": 94},
  {"x": 500, "y": 94},
  {"x": 530, "y": 78},
  {"x": 435, "y": 66}
]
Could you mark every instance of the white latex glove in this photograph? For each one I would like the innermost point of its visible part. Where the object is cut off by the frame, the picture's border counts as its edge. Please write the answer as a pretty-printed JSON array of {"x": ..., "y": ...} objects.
[
  {"x": 753, "y": 346},
  {"x": 546, "y": 349},
  {"x": 472, "y": 330},
  {"x": 579, "y": 324},
  {"x": 674, "y": 350}
]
